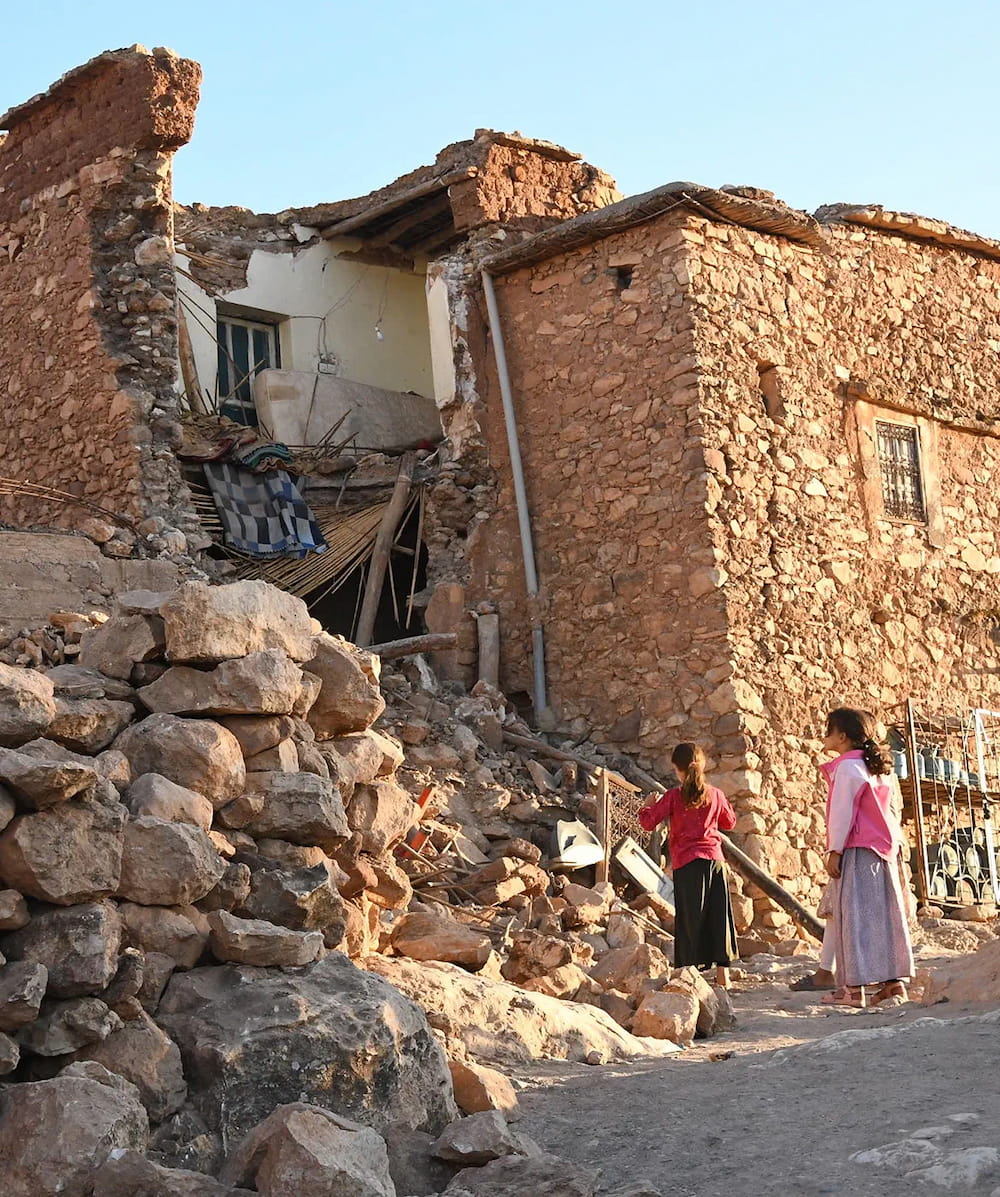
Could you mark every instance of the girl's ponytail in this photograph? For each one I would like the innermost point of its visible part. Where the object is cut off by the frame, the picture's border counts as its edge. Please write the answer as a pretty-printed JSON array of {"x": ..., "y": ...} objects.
[
  {"x": 860, "y": 728},
  {"x": 690, "y": 759}
]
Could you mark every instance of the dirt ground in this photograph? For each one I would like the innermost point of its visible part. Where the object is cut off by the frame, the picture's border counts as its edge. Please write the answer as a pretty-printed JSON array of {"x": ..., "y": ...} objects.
[{"x": 784, "y": 1114}]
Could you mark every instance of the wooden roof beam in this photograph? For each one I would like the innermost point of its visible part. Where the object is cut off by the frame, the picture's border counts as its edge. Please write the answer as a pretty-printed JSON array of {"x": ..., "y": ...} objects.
[{"x": 353, "y": 224}]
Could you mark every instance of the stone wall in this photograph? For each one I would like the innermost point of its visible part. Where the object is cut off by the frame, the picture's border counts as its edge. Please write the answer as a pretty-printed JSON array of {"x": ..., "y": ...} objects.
[{"x": 88, "y": 344}]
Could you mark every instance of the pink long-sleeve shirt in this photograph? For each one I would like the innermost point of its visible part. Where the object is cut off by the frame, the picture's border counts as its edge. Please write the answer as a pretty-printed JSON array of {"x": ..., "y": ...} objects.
[
  {"x": 859, "y": 807},
  {"x": 694, "y": 830}
]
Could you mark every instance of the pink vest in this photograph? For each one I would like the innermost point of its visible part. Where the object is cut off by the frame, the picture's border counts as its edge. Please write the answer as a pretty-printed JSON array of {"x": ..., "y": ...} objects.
[{"x": 873, "y": 823}]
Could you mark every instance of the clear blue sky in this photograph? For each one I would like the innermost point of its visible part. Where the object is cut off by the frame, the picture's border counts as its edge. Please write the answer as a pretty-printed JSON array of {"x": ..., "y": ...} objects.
[{"x": 892, "y": 101}]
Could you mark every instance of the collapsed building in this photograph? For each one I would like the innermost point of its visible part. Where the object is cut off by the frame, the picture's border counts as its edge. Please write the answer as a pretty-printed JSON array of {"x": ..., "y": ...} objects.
[{"x": 716, "y": 464}]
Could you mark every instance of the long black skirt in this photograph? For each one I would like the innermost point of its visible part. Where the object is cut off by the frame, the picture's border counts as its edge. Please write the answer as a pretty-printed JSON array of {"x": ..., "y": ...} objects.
[{"x": 704, "y": 931}]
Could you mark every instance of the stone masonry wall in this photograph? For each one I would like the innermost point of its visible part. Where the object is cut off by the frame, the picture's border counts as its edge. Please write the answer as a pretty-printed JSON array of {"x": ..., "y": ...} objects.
[
  {"x": 88, "y": 344},
  {"x": 829, "y": 602}
]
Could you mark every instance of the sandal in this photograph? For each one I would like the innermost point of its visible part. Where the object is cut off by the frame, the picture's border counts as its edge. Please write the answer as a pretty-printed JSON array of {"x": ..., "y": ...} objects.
[
  {"x": 846, "y": 995},
  {"x": 808, "y": 985},
  {"x": 891, "y": 991}
]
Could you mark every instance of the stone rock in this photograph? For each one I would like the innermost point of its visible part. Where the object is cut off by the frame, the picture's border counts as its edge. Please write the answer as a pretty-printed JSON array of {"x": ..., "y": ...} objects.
[
  {"x": 303, "y": 899},
  {"x": 55, "y": 1134},
  {"x": 68, "y": 854},
  {"x": 392, "y": 889},
  {"x": 232, "y": 891},
  {"x": 564, "y": 982},
  {"x": 478, "y": 1139},
  {"x": 974, "y": 978},
  {"x": 7, "y": 807},
  {"x": 62, "y": 1027},
  {"x": 207, "y": 624},
  {"x": 258, "y": 733},
  {"x": 311, "y": 759},
  {"x": 533, "y": 954},
  {"x": 329, "y": 1034},
  {"x": 13, "y": 910},
  {"x": 75, "y": 681},
  {"x": 429, "y": 937},
  {"x": 308, "y": 693},
  {"x": 350, "y": 699},
  {"x": 625, "y": 969},
  {"x": 302, "y": 1149},
  {"x": 479, "y": 1088},
  {"x": 414, "y": 1171},
  {"x": 27, "y": 705},
  {"x": 242, "y": 810},
  {"x": 22, "y": 987},
  {"x": 157, "y": 796},
  {"x": 167, "y": 864},
  {"x": 126, "y": 984},
  {"x": 178, "y": 932},
  {"x": 584, "y": 905},
  {"x": 119, "y": 643},
  {"x": 89, "y": 724},
  {"x": 252, "y": 941},
  {"x": 282, "y": 758},
  {"x": 78, "y": 945},
  {"x": 299, "y": 807},
  {"x": 517, "y": 1176},
  {"x": 128, "y": 1174},
  {"x": 37, "y": 784},
  {"x": 148, "y": 1058},
  {"x": 10, "y": 1054},
  {"x": 196, "y": 753},
  {"x": 501, "y": 1022},
  {"x": 156, "y": 972},
  {"x": 263, "y": 683},
  {"x": 672, "y": 1016},
  {"x": 364, "y": 756},
  {"x": 382, "y": 812}
]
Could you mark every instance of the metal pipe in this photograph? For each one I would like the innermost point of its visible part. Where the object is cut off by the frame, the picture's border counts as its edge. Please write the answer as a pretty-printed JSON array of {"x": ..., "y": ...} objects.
[{"x": 520, "y": 494}]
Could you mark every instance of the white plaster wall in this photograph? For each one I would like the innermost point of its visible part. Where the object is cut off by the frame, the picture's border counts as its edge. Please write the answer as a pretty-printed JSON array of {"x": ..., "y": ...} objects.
[{"x": 302, "y": 288}]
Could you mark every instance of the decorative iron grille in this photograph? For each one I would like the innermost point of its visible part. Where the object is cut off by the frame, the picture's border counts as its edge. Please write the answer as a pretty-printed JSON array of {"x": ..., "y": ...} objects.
[
  {"x": 624, "y": 804},
  {"x": 899, "y": 461}
]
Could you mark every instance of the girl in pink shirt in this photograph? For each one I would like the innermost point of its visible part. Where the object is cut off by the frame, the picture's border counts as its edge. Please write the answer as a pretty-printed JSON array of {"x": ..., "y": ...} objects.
[
  {"x": 704, "y": 931},
  {"x": 870, "y": 936}
]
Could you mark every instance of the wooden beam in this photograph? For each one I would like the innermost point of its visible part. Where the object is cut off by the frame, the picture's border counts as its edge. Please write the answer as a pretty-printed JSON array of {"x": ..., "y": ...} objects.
[
  {"x": 488, "y": 634},
  {"x": 438, "y": 206},
  {"x": 432, "y": 642},
  {"x": 436, "y": 240},
  {"x": 342, "y": 228},
  {"x": 383, "y": 547}
]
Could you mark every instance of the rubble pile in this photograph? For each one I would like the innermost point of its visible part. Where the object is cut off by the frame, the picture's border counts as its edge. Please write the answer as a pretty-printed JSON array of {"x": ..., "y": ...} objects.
[{"x": 261, "y": 936}]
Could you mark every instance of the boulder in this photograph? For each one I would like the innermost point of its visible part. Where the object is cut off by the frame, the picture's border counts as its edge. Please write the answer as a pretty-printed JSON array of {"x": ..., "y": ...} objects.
[
  {"x": 480, "y": 1138},
  {"x": 329, "y": 1034},
  {"x": 258, "y": 733},
  {"x": 282, "y": 758},
  {"x": 364, "y": 756},
  {"x": 126, "y": 984},
  {"x": 120, "y": 643},
  {"x": 974, "y": 978},
  {"x": 264, "y": 683},
  {"x": 299, "y": 807},
  {"x": 78, "y": 945},
  {"x": 27, "y": 705},
  {"x": 196, "y": 753},
  {"x": 156, "y": 972},
  {"x": 382, "y": 812},
  {"x": 68, "y": 854},
  {"x": 302, "y": 1149},
  {"x": 89, "y": 724},
  {"x": 158, "y": 796},
  {"x": 392, "y": 889},
  {"x": 412, "y": 1167},
  {"x": 232, "y": 890},
  {"x": 22, "y": 987},
  {"x": 430, "y": 937},
  {"x": 128, "y": 1174},
  {"x": 479, "y": 1088},
  {"x": 252, "y": 941},
  {"x": 533, "y": 954},
  {"x": 10, "y": 1054},
  {"x": 303, "y": 899},
  {"x": 75, "y": 681},
  {"x": 62, "y": 1027},
  {"x": 583, "y": 905},
  {"x": 672, "y": 1016},
  {"x": 167, "y": 864},
  {"x": 504, "y": 1023},
  {"x": 55, "y": 1134},
  {"x": 144, "y": 1055},
  {"x": 13, "y": 910},
  {"x": 242, "y": 810},
  {"x": 517, "y": 1176},
  {"x": 179, "y": 933},
  {"x": 8, "y": 808},
  {"x": 207, "y": 624},
  {"x": 37, "y": 784},
  {"x": 626, "y": 969},
  {"x": 308, "y": 693},
  {"x": 568, "y": 981},
  {"x": 311, "y": 760},
  {"x": 350, "y": 699}
]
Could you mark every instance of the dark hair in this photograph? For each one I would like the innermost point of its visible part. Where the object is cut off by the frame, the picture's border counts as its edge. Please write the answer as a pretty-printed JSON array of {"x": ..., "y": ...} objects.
[
  {"x": 691, "y": 759},
  {"x": 860, "y": 728}
]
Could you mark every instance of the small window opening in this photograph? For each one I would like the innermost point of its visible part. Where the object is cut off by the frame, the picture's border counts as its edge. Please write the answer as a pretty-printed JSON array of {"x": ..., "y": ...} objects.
[
  {"x": 623, "y": 277},
  {"x": 770, "y": 391},
  {"x": 899, "y": 462},
  {"x": 245, "y": 348}
]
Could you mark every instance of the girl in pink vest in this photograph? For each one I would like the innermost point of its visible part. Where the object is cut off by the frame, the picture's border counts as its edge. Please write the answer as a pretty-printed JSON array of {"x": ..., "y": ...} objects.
[{"x": 871, "y": 940}]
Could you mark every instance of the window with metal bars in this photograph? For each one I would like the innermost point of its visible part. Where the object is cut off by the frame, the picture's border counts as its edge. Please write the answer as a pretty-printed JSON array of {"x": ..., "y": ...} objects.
[
  {"x": 899, "y": 461},
  {"x": 245, "y": 348}
]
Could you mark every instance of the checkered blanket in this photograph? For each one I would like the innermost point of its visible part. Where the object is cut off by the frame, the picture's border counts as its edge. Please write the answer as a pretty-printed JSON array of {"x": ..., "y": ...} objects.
[{"x": 263, "y": 514}]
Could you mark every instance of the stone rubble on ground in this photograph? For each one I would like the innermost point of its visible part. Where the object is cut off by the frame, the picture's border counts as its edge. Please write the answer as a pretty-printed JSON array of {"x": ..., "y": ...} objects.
[{"x": 221, "y": 931}]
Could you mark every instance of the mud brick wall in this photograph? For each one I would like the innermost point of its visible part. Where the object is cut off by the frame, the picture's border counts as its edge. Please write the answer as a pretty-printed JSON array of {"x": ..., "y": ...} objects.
[
  {"x": 87, "y": 304},
  {"x": 828, "y": 600}
]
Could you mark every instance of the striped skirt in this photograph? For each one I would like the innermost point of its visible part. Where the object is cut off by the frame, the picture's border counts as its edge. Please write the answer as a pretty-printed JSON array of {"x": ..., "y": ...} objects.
[{"x": 870, "y": 937}]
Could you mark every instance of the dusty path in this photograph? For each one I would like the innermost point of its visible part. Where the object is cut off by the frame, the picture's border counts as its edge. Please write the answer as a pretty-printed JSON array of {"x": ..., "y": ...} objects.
[{"x": 770, "y": 1122}]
